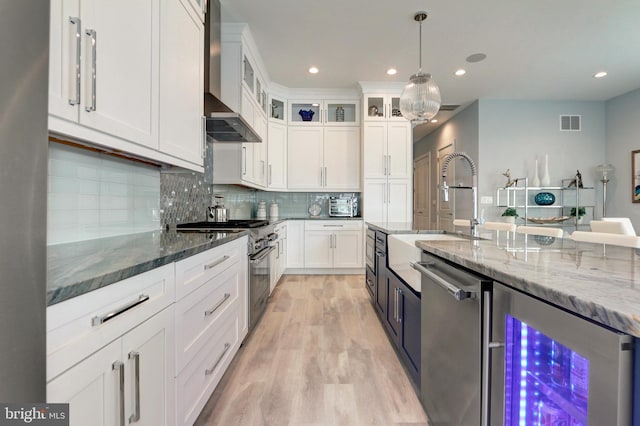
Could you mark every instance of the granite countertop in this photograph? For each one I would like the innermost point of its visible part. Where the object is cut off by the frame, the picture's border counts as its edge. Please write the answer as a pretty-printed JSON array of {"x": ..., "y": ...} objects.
[
  {"x": 596, "y": 281},
  {"x": 77, "y": 268},
  {"x": 394, "y": 227}
]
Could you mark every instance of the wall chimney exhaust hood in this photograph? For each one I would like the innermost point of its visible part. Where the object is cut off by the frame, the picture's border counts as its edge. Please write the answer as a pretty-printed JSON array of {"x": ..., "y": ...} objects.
[{"x": 222, "y": 123}]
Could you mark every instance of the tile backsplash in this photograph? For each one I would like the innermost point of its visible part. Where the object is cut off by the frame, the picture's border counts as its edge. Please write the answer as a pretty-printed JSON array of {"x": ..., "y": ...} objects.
[{"x": 94, "y": 195}]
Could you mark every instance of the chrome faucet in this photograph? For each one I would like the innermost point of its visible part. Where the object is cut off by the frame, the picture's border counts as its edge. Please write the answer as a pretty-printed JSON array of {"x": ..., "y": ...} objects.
[{"x": 474, "y": 188}]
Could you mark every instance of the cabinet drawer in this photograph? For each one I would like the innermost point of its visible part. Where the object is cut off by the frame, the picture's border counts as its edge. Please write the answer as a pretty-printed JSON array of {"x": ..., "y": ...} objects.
[
  {"x": 196, "y": 383},
  {"x": 332, "y": 225},
  {"x": 196, "y": 270},
  {"x": 80, "y": 326},
  {"x": 200, "y": 313}
]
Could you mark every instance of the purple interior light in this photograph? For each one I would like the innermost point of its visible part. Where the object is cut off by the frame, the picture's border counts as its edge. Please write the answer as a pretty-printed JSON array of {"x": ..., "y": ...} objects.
[{"x": 545, "y": 381}]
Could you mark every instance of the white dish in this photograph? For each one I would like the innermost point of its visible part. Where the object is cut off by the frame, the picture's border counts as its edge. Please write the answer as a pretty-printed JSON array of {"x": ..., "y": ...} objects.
[{"x": 315, "y": 210}]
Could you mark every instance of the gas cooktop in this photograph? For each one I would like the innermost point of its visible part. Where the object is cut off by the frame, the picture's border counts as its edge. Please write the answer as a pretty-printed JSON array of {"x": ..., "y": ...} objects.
[{"x": 236, "y": 223}]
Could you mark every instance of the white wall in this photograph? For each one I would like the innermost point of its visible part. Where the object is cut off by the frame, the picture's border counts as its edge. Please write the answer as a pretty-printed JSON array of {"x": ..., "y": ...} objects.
[{"x": 623, "y": 136}]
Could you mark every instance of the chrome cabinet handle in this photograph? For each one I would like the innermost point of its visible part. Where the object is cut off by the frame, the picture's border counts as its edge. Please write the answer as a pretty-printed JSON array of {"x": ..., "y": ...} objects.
[
  {"x": 216, "y": 262},
  {"x": 321, "y": 175},
  {"x": 270, "y": 174},
  {"x": 389, "y": 165},
  {"x": 456, "y": 292},
  {"x": 244, "y": 160},
  {"x": 261, "y": 255},
  {"x": 210, "y": 371},
  {"x": 93, "y": 37},
  {"x": 76, "y": 23},
  {"x": 325, "y": 176},
  {"x": 118, "y": 367},
  {"x": 400, "y": 306},
  {"x": 217, "y": 305},
  {"x": 203, "y": 132},
  {"x": 97, "y": 320},
  {"x": 384, "y": 165},
  {"x": 332, "y": 226},
  {"x": 135, "y": 356},
  {"x": 263, "y": 168}
]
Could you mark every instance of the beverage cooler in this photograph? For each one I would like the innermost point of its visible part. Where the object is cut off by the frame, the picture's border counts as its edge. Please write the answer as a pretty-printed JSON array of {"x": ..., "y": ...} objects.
[{"x": 544, "y": 366}]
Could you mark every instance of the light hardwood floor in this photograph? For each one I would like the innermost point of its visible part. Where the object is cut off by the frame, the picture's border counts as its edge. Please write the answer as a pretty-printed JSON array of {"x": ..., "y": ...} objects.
[{"x": 319, "y": 356}]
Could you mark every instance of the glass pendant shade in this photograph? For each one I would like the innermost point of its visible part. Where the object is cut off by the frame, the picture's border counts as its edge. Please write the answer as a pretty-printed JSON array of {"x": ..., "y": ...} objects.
[{"x": 420, "y": 99}]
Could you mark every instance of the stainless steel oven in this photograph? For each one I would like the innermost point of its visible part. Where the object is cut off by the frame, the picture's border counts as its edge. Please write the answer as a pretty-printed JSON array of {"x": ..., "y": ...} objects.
[{"x": 261, "y": 233}]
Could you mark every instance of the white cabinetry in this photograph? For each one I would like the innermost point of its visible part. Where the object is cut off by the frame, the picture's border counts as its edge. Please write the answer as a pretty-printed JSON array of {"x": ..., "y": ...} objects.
[
  {"x": 277, "y": 164},
  {"x": 323, "y": 158},
  {"x": 388, "y": 171},
  {"x": 103, "y": 69},
  {"x": 333, "y": 244},
  {"x": 319, "y": 112},
  {"x": 382, "y": 107},
  {"x": 211, "y": 322},
  {"x": 110, "y": 353},
  {"x": 279, "y": 258},
  {"x": 295, "y": 244},
  {"x": 199, "y": 7},
  {"x": 181, "y": 81}
]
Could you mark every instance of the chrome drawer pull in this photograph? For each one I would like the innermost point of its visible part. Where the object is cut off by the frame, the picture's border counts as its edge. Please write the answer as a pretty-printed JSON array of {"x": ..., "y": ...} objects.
[
  {"x": 212, "y": 310},
  {"x": 75, "y": 22},
  {"x": 216, "y": 262},
  {"x": 118, "y": 367},
  {"x": 136, "y": 386},
  {"x": 97, "y": 320},
  {"x": 93, "y": 37},
  {"x": 210, "y": 371}
]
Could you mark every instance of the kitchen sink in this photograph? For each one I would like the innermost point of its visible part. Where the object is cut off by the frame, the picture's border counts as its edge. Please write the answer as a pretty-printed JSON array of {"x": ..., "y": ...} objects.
[{"x": 402, "y": 250}]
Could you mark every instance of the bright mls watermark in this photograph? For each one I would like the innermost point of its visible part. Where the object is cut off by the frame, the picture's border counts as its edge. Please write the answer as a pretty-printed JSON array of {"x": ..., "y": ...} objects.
[{"x": 34, "y": 414}]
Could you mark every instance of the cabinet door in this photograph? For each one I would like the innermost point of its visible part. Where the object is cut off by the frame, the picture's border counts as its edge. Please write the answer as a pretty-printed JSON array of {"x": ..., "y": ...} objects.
[
  {"x": 342, "y": 158},
  {"x": 410, "y": 315},
  {"x": 181, "y": 81},
  {"x": 64, "y": 58},
  {"x": 151, "y": 347},
  {"x": 260, "y": 150},
  {"x": 91, "y": 388},
  {"x": 295, "y": 244},
  {"x": 374, "y": 200},
  {"x": 277, "y": 154},
  {"x": 399, "y": 150},
  {"x": 341, "y": 113},
  {"x": 375, "y": 150},
  {"x": 382, "y": 285},
  {"x": 306, "y": 113},
  {"x": 393, "y": 319},
  {"x": 317, "y": 249},
  {"x": 126, "y": 46},
  {"x": 374, "y": 105},
  {"x": 248, "y": 171},
  {"x": 399, "y": 200},
  {"x": 347, "y": 251},
  {"x": 304, "y": 158}
]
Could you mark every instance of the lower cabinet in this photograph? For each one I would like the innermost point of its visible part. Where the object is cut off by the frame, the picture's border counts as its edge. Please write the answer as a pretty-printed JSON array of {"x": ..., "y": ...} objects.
[
  {"x": 333, "y": 244},
  {"x": 128, "y": 381},
  {"x": 295, "y": 244}
]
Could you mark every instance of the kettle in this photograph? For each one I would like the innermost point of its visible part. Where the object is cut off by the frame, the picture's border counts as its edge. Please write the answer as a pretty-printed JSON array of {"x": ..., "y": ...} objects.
[
  {"x": 373, "y": 111},
  {"x": 218, "y": 213}
]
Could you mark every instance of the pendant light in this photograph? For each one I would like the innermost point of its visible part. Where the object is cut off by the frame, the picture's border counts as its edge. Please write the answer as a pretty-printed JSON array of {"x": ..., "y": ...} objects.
[{"x": 420, "y": 99}]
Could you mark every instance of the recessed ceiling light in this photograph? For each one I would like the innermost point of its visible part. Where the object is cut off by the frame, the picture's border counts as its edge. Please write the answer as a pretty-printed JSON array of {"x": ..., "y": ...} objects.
[
  {"x": 392, "y": 71},
  {"x": 460, "y": 72},
  {"x": 434, "y": 120},
  {"x": 313, "y": 70},
  {"x": 600, "y": 74},
  {"x": 476, "y": 57}
]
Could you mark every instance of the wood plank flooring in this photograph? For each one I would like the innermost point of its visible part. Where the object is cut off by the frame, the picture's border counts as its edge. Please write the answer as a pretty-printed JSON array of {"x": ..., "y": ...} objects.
[{"x": 319, "y": 356}]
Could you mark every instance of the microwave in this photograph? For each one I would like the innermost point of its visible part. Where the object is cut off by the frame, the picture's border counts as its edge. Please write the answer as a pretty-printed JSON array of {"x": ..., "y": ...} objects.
[{"x": 343, "y": 207}]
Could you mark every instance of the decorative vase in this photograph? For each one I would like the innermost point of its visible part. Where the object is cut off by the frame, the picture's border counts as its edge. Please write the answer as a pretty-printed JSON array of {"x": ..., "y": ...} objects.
[
  {"x": 536, "y": 179},
  {"x": 546, "y": 179},
  {"x": 509, "y": 219},
  {"x": 544, "y": 198},
  {"x": 339, "y": 113},
  {"x": 306, "y": 115}
]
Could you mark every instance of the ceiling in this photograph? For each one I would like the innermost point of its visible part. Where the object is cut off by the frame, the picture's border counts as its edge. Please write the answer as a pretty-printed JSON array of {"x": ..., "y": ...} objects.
[{"x": 538, "y": 50}]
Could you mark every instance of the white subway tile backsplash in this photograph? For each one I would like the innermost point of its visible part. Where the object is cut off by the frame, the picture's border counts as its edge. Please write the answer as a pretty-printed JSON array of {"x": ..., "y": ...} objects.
[{"x": 93, "y": 195}]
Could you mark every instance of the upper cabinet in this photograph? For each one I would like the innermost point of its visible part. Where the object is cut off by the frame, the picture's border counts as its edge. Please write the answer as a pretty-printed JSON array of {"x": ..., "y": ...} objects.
[
  {"x": 199, "y": 7},
  {"x": 102, "y": 71},
  {"x": 382, "y": 107},
  {"x": 319, "y": 112},
  {"x": 278, "y": 109}
]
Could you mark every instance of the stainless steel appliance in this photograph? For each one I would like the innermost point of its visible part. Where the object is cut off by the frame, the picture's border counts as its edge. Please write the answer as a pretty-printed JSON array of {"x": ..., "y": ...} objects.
[
  {"x": 23, "y": 188},
  {"x": 261, "y": 234},
  {"x": 546, "y": 366},
  {"x": 343, "y": 207},
  {"x": 451, "y": 349}
]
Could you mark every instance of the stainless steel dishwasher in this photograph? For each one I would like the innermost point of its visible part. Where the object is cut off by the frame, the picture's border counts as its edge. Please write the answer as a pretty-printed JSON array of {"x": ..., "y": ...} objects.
[{"x": 451, "y": 323}]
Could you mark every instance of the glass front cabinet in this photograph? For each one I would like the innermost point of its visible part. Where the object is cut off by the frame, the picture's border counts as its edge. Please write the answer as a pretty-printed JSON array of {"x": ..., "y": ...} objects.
[
  {"x": 382, "y": 107},
  {"x": 324, "y": 112}
]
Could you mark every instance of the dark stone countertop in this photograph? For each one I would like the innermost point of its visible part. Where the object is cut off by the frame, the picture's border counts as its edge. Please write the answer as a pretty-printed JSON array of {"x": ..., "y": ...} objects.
[{"x": 77, "y": 268}]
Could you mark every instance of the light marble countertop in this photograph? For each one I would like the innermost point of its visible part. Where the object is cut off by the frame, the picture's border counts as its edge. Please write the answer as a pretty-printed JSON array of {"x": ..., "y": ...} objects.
[
  {"x": 597, "y": 281},
  {"x": 77, "y": 268}
]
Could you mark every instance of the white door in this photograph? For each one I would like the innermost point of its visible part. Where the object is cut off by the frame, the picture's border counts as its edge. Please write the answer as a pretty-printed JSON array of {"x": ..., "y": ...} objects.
[
  {"x": 374, "y": 200},
  {"x": 347, "y": 251},
  {"x": 375, "y": 150},
  {"x": 304, "y": 157},
  {"x": 446, "y": 208},
  {"x": 422, "y": 192},
  {"x": 399, "y": 150},
  {"x": 151, "y": 346},
  {"x": 277, "y": 154},
  {"x": 123, "y": 49},
  {"x": 318, "y": 252},
  {"x": 181, "y": 81},
  {"x": 342, "y": 158},
  {"x": 91, "y": 388}
]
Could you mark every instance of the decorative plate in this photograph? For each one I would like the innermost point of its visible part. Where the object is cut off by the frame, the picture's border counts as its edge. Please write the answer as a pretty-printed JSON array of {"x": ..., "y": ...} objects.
[
  {"x": 548, "y": 219},
  {"x": 544, "y": 198},
  {"x": 315, "y": 209}
]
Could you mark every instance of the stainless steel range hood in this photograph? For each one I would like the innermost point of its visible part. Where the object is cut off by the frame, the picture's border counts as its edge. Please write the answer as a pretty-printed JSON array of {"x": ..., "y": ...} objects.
[{"x": 222, "y": 123}]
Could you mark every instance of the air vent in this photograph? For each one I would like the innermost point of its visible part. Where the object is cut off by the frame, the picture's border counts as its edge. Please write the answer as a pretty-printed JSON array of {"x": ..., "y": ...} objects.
[
  {"x": 448, "y": 107},
  {"x": 570, "y": 123}
]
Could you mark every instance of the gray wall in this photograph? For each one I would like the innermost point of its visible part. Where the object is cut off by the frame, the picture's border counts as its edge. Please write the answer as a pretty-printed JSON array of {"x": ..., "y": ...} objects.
[{"x": 623, "y": 136}]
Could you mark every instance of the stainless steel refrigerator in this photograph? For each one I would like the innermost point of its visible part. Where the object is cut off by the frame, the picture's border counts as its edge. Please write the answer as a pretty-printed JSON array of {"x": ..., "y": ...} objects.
[{"x": 24, "y": 48}]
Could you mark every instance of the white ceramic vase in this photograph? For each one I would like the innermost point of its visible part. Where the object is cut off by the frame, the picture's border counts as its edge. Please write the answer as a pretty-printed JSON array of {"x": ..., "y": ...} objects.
[
  {"x": 546, "y": 179},
  {"x": 536, "y": 179}
]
